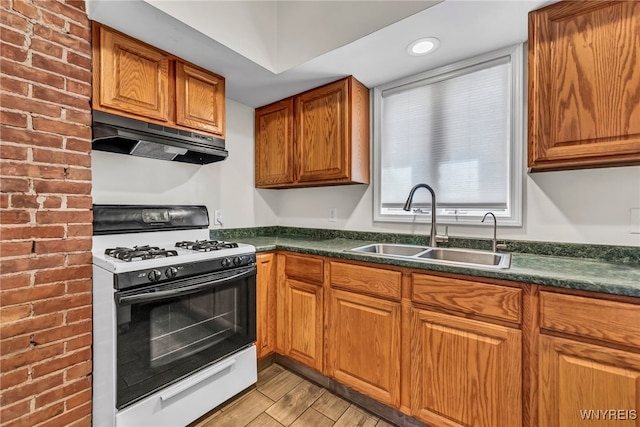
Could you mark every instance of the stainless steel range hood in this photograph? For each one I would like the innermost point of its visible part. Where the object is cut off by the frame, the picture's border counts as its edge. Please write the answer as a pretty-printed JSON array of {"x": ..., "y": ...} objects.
[{"x": 123, "y": 135}]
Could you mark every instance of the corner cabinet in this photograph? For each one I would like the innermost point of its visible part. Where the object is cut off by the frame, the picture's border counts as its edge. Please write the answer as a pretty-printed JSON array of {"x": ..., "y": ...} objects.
[
  {"x": 318, "y": 137},
  {"x": 266, "y": 300},
  {"x": 133, "y": 79},
  {"x": 584, "y": 81}
]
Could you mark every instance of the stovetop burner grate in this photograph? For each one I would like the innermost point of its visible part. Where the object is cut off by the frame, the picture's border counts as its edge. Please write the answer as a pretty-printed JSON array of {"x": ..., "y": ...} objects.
[
  {"x": 205, "y": 245},
  {"x": 139, "y": 253}
]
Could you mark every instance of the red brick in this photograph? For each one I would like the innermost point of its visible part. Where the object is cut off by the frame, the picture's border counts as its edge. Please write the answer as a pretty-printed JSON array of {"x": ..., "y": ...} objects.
[
  {"x": 80, "y": 370},
  {"x": 26, "y": 9},
  {"x": 46, "y": 47},
  {"x": 11, "y": 249},
  {"x": 13, "y": 185},
  {"x": 82, "y": 422},
  {"x": 63, "y": 245},
  {"x": 30, "y": 356},
  {"x": 14, "y": 281},
  {"x": 14, "y": 21},
  {"x": 79, "y": 88},
  {"x": 27, "y": 72},
  {"x": 68, "y": 41},
  {"x": 13, "y": 152},
  {"x": 32, "y": 138},
  {"x": 32, "y": 294},
  {"x": 62, "y": 333},
  {"x": 78, "y": 117},
  {"x": 52, "y": 202},
  {"x": 13, "y": 53},
  {"x": 62, "y": 128},
  {"x": 59, "y": 67},
  {"x": 9, "y": 413},
  {"x": 79, "y": 314},
  {"x": 80, "y": 259},
  {"x": 14, "y": 345},
  {"x": 78, "y": 4},
  {"x": 33, "y": 263},
  {"x": 79, "y": 342},
  {"x": 53, "y": 20},
  {"x": 18, "y": 312},
  {"x": 79, "y": 202},
  {"x": 11, "y": 118},
  {"x": 13, "y": 378},
  {"x": 24, "y": 201},
  {"x": 12, "y": 85},
  {"x": 79, "y": 286},
  {"x": 69, "y": 417},
  {"x": 82, "y": 145},
  {"x": 58, "y": 364},
  {"x": 63, "y": 187},
  {"x": 32, "y": 170},
  {"x": 72, "y": 13},
  {"x": 13, "y": 37},
  {"x": 62, "y": 157},
  {"x": 59, "y": 97},
  {"x": 30, "y": 106},
  {"x": 14, "y": 217},
  {"x": 65, "y": 217},
  {"x": 4, "y": 201},
  {"x": 38, "y": 417},
  {"x": 61, "y": 274},
  {"x": 79, "y": 398},
  {"x": 80, "y": 31},
  {"x": 55, "y": 305},
  {"x": 79, "y": 60},
  {"x": 31, "y": 232},
  {"x": 79, "y": 174},
  {"x": 79, "y": 230}
]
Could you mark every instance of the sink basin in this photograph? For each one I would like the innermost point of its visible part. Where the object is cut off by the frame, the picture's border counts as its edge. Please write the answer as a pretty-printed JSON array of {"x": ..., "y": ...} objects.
[
  {"x": 390, "y": 249},
  {"x": 451, "y": 256},
  {"x": 468, "y": 257}
]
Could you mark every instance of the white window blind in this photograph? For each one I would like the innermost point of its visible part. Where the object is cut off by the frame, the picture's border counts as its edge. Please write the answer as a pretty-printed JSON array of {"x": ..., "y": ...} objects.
[{"x": 454, "y": 131}]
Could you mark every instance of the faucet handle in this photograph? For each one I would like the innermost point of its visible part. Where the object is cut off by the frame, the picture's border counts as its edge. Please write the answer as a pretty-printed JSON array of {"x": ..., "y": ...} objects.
[
  {"x": 502, "y": 246},
  {"x": 443, "y": 238}
]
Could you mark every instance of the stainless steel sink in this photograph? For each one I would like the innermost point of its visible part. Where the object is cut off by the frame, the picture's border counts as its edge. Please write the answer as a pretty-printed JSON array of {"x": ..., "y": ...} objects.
[{"x": 451, "y": 256}]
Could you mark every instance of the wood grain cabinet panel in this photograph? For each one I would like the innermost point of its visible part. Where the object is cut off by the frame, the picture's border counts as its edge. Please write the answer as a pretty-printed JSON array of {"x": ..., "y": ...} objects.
[
  {"x": 363, "y": 344},
  {"x": 200, "y": 99},
  {"x": 584, "y": 84},
  {"x": 266, "y": 297},
  {"x": 329, "y": 142},
  {"x": 134, "y": 77},
  {"x": 465, "y": 372},
  {"x": 303, "y": 337},
  {"x": 368, "y": 280},
  {"x": 274, "y": 144},
  {"x": 584, "y": 384}
]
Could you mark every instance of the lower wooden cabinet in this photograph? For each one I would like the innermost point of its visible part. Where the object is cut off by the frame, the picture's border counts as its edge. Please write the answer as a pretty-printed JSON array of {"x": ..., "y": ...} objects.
[
  {"x": 265, "y": 304},
  {"x": 584, "y": 384},
  {"x": 363, "y": 344},
  {"x": 465, "y": 372}
]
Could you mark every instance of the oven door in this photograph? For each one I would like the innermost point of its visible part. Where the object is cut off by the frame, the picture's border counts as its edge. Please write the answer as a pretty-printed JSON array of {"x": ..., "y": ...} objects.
[{"x": 169, "y": 331}]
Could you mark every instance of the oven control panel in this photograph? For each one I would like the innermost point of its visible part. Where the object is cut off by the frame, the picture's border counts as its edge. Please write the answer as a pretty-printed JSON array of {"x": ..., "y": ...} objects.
[{"x": 179, "y": 271}]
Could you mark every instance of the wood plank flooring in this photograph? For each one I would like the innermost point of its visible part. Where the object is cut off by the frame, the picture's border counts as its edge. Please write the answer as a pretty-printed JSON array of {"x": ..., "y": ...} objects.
[{"x": 282, "y": 398}]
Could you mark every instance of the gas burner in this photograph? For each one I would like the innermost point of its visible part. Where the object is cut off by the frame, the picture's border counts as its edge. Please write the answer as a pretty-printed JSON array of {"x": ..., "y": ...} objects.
[
  {"x": 138, "y": 253},
  {"x": 205, "y": 245}
]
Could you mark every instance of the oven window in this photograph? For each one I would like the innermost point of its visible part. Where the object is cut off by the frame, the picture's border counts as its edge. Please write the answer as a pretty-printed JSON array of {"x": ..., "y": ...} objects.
[{"x": 162, "y": 341}]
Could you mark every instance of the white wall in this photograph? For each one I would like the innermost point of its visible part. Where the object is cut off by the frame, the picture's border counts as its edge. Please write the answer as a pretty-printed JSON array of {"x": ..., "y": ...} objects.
[{"x": 582, "y": 206}]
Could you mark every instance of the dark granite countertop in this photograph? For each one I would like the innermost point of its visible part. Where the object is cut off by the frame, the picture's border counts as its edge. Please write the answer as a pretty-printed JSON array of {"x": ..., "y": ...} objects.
[{"x": 559, "y": 271}]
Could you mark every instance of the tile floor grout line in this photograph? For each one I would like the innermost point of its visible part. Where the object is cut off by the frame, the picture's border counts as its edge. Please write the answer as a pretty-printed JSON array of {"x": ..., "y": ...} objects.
[{"x": 324, "y": 390}]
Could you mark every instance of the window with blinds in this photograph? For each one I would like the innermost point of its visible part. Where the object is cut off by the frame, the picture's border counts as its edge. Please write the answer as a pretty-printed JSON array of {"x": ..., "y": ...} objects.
[{"x": 457, "y": 129}]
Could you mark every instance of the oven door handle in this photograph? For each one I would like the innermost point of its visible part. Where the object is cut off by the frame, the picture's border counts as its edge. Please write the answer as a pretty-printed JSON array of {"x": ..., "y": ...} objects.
[
  {"x": 196, "y": 379},
  {"x": 184, "y": 290}
]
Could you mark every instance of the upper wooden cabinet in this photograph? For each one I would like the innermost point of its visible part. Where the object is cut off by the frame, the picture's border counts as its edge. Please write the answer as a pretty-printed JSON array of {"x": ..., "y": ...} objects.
[
  {"x": 319, "y": 137},
  {"x": 133, "y": 79},
  {"x": 584, "y": 83}
]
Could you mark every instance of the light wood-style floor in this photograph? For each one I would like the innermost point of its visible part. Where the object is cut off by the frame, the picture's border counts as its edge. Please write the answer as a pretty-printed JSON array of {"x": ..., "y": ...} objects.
[{"x": 282, "y": 398}]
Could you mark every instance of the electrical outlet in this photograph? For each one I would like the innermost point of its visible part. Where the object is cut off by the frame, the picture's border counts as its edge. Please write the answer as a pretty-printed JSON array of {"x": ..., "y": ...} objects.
[
  {"x": 333, "y": 214},
  {"x": 217, "y": 217}
]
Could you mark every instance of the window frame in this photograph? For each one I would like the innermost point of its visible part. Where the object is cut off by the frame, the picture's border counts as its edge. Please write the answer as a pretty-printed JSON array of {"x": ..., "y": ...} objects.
[{"x": 450, "y": 216}]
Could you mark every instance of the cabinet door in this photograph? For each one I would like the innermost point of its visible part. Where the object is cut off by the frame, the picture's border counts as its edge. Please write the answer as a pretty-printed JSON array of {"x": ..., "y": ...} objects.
[
  {"x": 303, "y": 323},
  {"x": 584, "y": 384},
  {"x": 322, "y": 133},
  {"x": 364, "y": 345},
  {"x": 133, "y": 77},
  {"x": 265, "y": 304},
  {"x": 274, "y": 144},
  {"x": 199, "y": 99},
  {"x": 584, "y": 81},
  {"x": 465, "y": 372}
]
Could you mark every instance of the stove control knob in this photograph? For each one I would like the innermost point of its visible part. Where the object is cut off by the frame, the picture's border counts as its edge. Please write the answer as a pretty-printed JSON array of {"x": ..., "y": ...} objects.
[
  {"x": 226, "y": 262},
  {"x": 237, "y": 261},
  {"x": 171, "y": 272},
  {"x": 154, "y": 275}
]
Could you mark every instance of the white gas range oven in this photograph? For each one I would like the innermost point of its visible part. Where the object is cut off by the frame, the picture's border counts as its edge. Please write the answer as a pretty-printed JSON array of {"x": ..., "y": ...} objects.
[{"x": 174, "y": 317}]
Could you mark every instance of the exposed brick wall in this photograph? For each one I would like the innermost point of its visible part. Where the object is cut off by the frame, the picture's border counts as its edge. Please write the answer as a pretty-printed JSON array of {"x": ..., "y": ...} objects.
[{"x": 45, "y": 213}]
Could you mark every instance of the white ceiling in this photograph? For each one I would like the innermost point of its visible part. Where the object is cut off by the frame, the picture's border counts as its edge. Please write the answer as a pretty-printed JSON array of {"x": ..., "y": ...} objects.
[{"x": 267, "y": 50}]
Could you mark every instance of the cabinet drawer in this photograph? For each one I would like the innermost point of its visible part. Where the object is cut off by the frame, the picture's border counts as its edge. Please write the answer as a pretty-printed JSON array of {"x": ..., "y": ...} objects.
[
  {"x": 304, "y": 268},
  {"x": 369, "y": 280},
  {"x": 611, "y": 321},
  {"x": 498, "y": 302}
]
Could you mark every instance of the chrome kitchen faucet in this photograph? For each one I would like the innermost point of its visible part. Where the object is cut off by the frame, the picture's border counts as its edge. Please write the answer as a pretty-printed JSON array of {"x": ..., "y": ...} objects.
[{"x": 434, "y": 238}]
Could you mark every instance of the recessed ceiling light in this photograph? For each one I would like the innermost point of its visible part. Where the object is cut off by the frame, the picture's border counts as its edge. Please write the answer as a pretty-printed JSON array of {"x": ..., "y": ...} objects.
[{"x": 423, "y": 46}]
